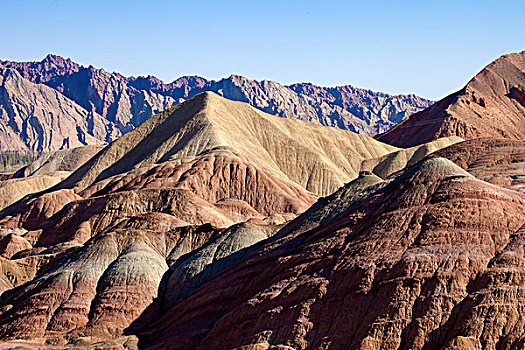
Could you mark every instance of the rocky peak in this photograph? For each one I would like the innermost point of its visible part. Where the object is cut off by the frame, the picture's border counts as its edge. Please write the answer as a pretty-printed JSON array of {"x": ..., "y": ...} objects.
[
  {"x": 191, "y": 80},
  {"x": 146, "y": 83},
  {"x": 44, "y": 71},
  {"x": 57, "y": 61}
]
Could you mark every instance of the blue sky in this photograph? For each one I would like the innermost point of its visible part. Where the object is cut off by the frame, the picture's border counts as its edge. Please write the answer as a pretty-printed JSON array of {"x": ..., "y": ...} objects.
[{"x": 430, "y": 48}]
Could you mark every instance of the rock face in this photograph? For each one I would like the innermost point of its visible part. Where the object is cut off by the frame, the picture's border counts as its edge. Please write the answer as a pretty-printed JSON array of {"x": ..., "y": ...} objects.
[
  {"x": 110, "y": 95},
  {"x": 421, "y": 261},
  {"x": 38, "y": 118},
  {"x": 492, "y": 104},
  {"x": 50, "y": 67},
  {"x": 379, "y": 111},
  {"x": 95, "y": 91},
  {"x": 109, "y": 104}
]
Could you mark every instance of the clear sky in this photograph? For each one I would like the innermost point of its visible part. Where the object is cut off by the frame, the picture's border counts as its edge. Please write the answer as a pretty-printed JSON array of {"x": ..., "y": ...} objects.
[{"x": 430, "y": 48}]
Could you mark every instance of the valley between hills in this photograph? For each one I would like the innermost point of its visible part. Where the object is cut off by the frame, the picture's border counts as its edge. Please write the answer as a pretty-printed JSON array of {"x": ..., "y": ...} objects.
[{"x": 249, "y": 215}]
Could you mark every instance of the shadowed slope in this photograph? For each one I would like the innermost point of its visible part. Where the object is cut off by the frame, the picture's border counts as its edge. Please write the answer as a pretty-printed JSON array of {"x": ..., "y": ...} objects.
[{"x": 92, "y": 292}]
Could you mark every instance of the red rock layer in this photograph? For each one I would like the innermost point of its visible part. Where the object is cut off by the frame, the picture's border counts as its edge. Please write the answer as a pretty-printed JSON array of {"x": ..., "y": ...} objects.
[
  {"x": 500, "y": 162},
  {"x": 218, "y": 188},
  {"x": 97, "y": 290},
  {"x": 216, "y": 176},
  {"x": 433, "y": 259}
]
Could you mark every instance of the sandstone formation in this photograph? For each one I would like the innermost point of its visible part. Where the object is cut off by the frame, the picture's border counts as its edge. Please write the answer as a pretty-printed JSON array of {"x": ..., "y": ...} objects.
[
  {"x": 317, "y": 158},
  {"x": 187, "y": 273},
  {"x": 157, "y": 213},
  {"x": 97, "y": 290},
  {"x": 498, "y": 161},
  {"x": 205, "y": 228},
  {"x": 431, "y": 259},
  {"x": 391, "y": 163},
  {"x": 196, "y": 155},
  {"x": 492, "y": 104}
]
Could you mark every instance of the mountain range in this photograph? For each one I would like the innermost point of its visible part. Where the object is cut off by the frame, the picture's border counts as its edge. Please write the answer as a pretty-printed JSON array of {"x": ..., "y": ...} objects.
[
  {"x": 215, "y": 225},
  {"x": 86, "y": 105}
]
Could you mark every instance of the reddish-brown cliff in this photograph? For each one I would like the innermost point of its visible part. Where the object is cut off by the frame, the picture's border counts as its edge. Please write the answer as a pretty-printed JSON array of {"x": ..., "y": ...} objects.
[{"x": 492, "y": 104}]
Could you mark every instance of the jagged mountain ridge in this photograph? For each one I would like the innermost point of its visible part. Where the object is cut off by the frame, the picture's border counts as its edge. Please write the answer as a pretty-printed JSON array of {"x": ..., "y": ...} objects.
[{"x": 125, "y": 102}]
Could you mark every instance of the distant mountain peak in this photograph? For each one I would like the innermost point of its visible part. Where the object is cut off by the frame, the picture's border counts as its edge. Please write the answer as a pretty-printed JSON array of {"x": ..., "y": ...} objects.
[{"x": 56, "y": 59}]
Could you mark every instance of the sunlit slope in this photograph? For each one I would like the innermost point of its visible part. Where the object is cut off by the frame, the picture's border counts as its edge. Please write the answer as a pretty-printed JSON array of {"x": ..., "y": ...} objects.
[{"x": 318, "y": 158}]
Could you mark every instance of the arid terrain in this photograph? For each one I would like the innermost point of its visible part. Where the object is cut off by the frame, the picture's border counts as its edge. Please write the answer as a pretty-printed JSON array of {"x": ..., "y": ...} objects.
[{"x": 238, "y": 214}]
